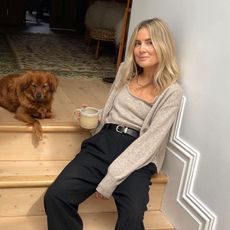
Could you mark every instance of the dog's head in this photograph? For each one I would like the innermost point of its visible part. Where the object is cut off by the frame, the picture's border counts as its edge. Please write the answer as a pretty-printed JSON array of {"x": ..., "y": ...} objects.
[{"x": 38, "y": 86}]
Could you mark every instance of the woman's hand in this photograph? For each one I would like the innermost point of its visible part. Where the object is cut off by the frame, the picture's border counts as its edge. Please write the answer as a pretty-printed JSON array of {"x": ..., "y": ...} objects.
[
  {"x": 77, "y": 113},
  {"x": 100, "y": 196}
]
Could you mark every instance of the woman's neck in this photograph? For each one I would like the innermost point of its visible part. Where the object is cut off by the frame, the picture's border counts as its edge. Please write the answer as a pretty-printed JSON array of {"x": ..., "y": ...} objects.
[
  {"x": 143, "y": 81},
  {"x": 145, "y": 78},
  {"x": 147, "y": 73}
]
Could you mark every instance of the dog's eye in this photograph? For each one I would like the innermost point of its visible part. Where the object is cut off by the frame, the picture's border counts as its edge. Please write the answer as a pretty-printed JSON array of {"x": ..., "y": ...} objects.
[
  {"x": 45, "y": 85},
  {"x": 34, "y": 85}
]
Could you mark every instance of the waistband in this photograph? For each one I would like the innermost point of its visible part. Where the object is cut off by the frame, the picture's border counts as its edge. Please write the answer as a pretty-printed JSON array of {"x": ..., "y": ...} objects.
[{"x": 122, "y": 129}]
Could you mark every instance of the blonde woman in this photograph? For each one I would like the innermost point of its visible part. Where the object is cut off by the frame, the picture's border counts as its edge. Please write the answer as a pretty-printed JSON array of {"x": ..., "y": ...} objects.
[{"x": 128, "y": 146}]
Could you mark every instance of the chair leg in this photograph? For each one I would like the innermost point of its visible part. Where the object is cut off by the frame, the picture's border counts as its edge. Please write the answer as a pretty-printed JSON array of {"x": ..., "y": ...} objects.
[
  {"x": 97, "y": 49},
  {"x": 87, "y": 37}
]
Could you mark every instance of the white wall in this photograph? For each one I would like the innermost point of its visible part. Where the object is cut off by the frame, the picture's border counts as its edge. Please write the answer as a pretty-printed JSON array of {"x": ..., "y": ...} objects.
[{"x": 198, "y": 159}]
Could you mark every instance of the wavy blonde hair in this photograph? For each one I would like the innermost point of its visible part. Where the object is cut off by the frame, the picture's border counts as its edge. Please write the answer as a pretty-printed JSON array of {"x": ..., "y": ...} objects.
[{"x": 167, "y": 71}]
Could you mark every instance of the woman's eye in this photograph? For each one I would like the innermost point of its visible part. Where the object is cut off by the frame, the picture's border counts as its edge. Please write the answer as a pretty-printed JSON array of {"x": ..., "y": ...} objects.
[
  {"x": 137, "y": 43},
  {"x": 149, "y": 43}
]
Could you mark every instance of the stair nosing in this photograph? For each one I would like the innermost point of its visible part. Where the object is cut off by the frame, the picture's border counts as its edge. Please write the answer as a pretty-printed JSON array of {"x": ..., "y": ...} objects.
[
  {"x": 23, "y": 181},
  {"x": 26, "y": 181},
  {"x": 59, "y": 127}
]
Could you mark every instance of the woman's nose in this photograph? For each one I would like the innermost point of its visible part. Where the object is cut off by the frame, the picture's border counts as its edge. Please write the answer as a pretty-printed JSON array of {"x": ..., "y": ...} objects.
[{"x": 143, "y": 47}]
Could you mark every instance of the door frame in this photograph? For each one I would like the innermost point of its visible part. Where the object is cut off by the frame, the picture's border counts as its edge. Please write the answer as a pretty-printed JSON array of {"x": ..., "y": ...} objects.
[{"x": 124, "y": 32}]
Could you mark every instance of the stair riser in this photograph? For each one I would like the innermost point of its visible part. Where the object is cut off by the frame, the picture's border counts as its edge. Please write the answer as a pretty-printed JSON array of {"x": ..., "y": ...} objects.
[
  {"x": 29, "y": 201},
  {"x": 54, "y": 146},
  {"x": 32, "y": 168}
]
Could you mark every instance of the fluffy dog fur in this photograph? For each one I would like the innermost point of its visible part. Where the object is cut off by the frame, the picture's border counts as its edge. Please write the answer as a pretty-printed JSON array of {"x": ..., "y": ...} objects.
[{"x": 29, "y": 96}]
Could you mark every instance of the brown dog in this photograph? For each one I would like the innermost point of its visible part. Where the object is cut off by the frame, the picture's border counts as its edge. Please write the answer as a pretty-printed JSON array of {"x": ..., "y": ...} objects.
[{"x": 29, "y": 96}]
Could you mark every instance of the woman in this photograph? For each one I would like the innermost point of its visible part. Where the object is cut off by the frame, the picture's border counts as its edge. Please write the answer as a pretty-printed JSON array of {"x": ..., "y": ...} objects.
[{"x": 129, "y": 144}]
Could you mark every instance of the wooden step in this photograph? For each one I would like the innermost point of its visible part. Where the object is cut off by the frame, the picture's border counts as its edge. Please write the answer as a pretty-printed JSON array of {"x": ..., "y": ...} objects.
[
  {"x": 23, "y": 195},
  {"x": 153, "y": 220}
]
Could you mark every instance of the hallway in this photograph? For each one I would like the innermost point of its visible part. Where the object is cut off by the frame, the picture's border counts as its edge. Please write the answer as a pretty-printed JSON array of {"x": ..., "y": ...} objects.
[{"x": 36, "y": 46}]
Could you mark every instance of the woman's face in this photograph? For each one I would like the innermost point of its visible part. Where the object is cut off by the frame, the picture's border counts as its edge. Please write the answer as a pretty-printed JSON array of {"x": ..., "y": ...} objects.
[{"x": 144, "y": 52}]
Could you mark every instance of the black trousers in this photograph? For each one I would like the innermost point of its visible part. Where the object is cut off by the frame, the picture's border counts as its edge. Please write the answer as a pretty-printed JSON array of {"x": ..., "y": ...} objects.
[{"x": 81, "y": 176}]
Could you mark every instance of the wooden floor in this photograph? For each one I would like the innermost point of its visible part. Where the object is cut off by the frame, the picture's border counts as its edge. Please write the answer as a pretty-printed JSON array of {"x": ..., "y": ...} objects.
[{"x": 71, "y": 94}]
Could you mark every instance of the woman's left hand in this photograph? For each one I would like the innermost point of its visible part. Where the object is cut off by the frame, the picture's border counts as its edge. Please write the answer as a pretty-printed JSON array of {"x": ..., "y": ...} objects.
[{"x": 100, "y": 196}]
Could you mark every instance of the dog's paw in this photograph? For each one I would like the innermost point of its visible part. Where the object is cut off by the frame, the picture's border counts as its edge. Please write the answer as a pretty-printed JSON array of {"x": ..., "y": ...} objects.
[{"x": 37, "y": 130}]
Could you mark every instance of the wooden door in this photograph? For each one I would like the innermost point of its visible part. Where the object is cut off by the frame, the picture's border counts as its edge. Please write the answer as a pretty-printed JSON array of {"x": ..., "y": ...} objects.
[
  {"x": 63, "y": 14},
  {"x": 3, "y": 11},
  {"x": 12, "y": 13}
]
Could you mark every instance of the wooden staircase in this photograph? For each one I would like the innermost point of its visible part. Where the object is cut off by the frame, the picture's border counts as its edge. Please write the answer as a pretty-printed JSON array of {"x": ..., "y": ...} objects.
[{"x": 27, "y": 167}]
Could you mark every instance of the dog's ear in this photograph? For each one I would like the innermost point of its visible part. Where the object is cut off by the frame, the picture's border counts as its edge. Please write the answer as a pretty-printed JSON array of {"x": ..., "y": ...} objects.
[
  {"x": 53, "y": 82},
  {"x": 24, "y": 82}
]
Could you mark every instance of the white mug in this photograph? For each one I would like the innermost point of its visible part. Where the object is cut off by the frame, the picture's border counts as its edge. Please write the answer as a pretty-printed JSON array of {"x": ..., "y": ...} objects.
[{"x": 89, "y": 117}]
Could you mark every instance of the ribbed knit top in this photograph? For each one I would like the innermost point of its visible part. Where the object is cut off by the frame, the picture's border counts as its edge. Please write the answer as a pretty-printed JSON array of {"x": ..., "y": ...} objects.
[{"x": 128, "y": 110}]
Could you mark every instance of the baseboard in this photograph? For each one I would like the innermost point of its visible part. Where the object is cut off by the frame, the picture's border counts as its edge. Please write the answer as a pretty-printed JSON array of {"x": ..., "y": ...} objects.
[{"x": 189, "y": 158}]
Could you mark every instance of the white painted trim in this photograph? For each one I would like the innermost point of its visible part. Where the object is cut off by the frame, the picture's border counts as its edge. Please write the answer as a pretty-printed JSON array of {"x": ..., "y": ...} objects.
[{"x": 190, "y": 157}]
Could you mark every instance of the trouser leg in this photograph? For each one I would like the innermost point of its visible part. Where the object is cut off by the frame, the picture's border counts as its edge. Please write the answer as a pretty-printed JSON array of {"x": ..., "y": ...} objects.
[
  {"x": 131, "y": 198},
  {"x": 74, "y": 185},
  {"x": 80, "y": 178}
]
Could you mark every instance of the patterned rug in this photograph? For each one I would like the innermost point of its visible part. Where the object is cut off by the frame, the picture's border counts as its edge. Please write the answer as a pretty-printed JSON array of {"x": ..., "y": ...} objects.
[
  {"x": 65, "y": 55},
  {"x": 8, "y": 63}
]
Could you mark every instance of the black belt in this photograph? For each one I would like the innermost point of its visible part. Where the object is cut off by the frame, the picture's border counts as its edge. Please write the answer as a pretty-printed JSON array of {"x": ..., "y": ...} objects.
[{"x": 122, "y": 129}]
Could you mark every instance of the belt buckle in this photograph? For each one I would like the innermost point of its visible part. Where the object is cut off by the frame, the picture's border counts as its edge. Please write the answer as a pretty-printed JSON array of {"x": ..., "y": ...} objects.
[{"x": 121, "y": 129}]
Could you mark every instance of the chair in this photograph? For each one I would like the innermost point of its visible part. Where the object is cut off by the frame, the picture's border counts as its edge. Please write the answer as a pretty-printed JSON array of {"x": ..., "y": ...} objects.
[
  {"x": 103, "y": 22},
  {"x": 100, "y": 34}
]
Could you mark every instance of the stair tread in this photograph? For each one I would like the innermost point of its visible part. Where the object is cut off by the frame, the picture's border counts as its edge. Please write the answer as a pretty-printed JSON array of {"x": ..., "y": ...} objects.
[
  {"x": 154, "y": 220},
  {"x": 28, "y": 201}
]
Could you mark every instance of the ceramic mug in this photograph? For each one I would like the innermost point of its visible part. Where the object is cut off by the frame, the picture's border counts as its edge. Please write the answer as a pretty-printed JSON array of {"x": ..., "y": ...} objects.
[{"x": 87, "y": 117}]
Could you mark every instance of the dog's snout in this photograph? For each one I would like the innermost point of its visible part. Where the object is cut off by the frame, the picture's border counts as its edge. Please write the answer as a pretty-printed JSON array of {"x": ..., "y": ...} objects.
[{"x": 38, "y": 95}]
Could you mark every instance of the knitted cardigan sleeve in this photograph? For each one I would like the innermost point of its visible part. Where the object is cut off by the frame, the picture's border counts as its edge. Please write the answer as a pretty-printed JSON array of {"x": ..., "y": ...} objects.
[{"x": 144, "y": 149}]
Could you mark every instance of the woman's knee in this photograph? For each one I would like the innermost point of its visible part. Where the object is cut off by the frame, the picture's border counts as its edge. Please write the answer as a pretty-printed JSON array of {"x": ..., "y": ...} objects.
[
  {"x": 132, "y": 214},
  {"x": 49, "y": 195},
  {"x": 53, "y": 193}
]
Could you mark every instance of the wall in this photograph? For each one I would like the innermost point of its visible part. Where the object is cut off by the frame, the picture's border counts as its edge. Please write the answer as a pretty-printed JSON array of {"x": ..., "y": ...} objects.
[{"x": 198, "y": 159}]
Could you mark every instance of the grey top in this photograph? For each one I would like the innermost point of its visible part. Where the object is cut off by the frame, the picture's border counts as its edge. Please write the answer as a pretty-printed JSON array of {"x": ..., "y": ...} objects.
[
  {"x": 154, "y": 133},
  {"x": 128, "y": 110}
]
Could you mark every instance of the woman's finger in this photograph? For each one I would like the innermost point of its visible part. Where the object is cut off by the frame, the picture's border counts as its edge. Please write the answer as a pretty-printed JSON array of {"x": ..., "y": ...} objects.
[{"x": 100, "y": 196}]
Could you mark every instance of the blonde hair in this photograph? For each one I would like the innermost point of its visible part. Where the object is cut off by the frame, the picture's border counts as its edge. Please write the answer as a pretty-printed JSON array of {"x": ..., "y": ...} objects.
[{"x": 167, "y": 71}]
